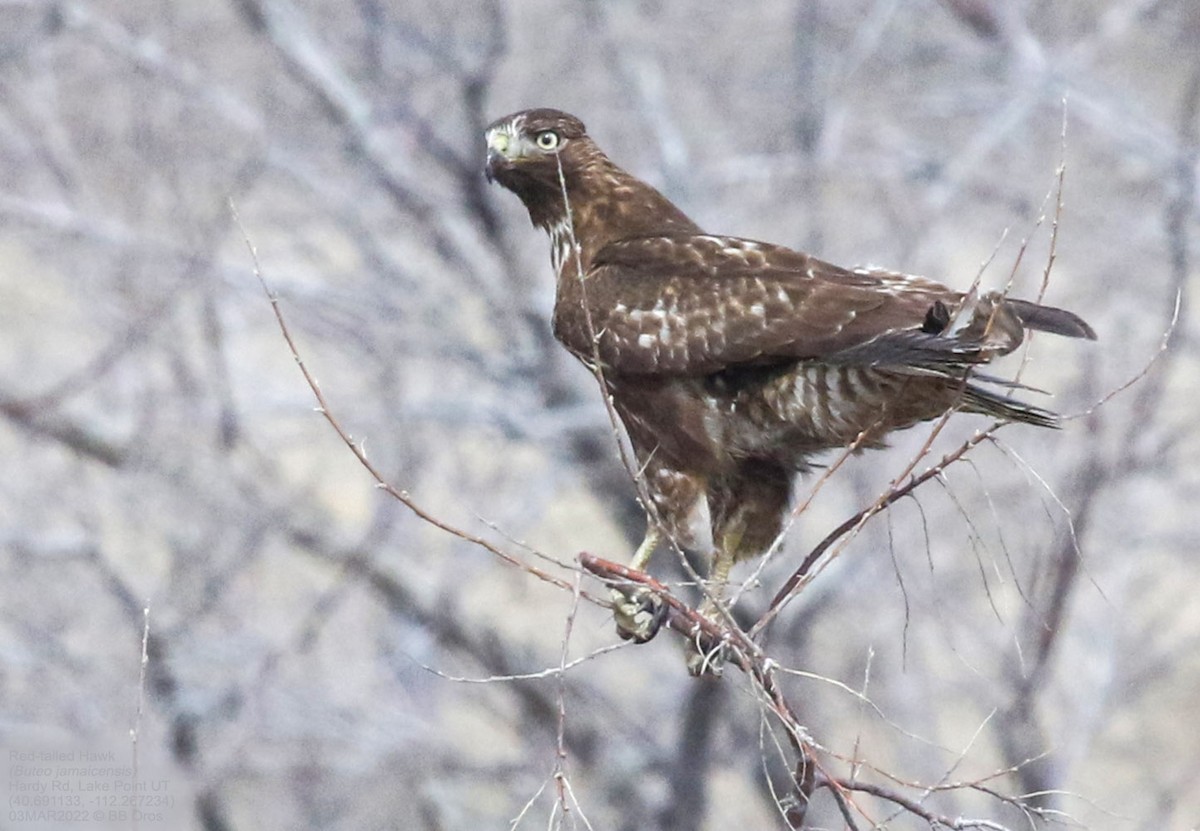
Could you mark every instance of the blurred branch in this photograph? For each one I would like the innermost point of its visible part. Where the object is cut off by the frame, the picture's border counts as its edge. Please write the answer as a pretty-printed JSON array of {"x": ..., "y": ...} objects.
[
  {"x": 82, "y": 438},
  {"x": 1182, "y": 781},
  {"x": 1018, "y": 729},
  {"x": 687, "y": 799},
  {"x": 1112, "y": 24},
  {"x": 348, "y": 108},
  {"x": 476, "y": 86},
  {"x": 641, "y": 72},
  {"x": 152, "y": 57},
  {"x": 1178, "y": 223},
  {"x": 169, "y": 693},
  {"x": 356, "y": 448},
  {"x": 66, "y": 220},
  {"x": 984, "y": 17},
  {"x": 446, "y": 623}
]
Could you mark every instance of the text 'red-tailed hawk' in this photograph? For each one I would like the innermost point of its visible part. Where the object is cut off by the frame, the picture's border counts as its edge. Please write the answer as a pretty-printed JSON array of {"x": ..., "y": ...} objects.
[{"x": 731, "y": 362}]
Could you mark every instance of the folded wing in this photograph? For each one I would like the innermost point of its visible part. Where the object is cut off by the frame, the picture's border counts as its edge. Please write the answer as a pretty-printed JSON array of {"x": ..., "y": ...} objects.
[{"x": 698, "y": 304}]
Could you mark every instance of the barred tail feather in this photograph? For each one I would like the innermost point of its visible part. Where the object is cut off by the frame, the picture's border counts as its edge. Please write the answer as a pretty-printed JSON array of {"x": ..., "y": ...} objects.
[{"x": 985, "y": 402}]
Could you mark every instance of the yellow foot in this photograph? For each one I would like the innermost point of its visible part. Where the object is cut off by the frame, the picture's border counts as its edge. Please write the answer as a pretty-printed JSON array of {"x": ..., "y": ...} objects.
[
  {"x": 705, "y": 658},
  {"x": 638, "y": 612}
]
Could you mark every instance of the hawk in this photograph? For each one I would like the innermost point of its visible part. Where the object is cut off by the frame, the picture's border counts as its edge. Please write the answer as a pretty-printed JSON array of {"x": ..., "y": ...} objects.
[{"x": 732, "y": 362}]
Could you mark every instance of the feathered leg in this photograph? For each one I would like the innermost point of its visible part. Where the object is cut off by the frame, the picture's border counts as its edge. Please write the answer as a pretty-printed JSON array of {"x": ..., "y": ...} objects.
[
  {"x": 638, "y": 612},
  {"x": 747, "y": 510}
]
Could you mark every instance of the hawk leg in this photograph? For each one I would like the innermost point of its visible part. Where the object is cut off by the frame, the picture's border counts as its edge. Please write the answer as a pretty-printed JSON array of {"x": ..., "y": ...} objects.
[
  {"x": 637, "y": 611},
  {"x": 702, "y": 661},
  {"x": 747, "y": 508}
]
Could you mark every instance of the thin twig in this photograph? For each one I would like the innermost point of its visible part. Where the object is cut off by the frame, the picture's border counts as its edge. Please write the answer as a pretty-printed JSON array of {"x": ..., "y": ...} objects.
[
  {"x": 894, "y": 494},
  {"x": 1163, "y": 345},
  {"x": 356, "y": 447},
  {"x": 636, "y": 472},
  {"x": 913, "y": 807},
  {"x": 135, "y": 731},
  {"x": 560, "y": 745},
  {"x": 549, "y": 672},
  {"x": 709, "y": 636}
]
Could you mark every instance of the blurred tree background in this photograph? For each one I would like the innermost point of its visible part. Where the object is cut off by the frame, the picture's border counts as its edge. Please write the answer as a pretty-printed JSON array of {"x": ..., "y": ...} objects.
[{"x": 160, "y": 448}]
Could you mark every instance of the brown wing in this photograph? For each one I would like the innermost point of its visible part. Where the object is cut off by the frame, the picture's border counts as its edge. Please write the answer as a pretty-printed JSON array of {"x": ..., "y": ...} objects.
[{"x": 693, "y": 305}]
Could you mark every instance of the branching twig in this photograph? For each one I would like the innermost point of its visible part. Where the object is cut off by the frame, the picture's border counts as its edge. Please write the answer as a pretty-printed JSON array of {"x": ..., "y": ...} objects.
[
  {"x": 913, "y": 807},
  {"x": 560, "y": 745},
  {"x": 709, "y": 634},
  {"x": 356, "y": 447},
  {"x": 809, "y": 774},
  {"x": 894, "y": 494}
]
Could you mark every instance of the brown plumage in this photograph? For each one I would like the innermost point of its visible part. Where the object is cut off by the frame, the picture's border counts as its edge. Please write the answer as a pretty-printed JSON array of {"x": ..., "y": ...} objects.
[{"x": 730, "y": 361}]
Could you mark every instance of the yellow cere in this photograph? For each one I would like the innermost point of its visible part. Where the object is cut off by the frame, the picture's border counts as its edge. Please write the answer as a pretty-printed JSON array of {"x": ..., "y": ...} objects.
[{"x": 498, "y": 141}]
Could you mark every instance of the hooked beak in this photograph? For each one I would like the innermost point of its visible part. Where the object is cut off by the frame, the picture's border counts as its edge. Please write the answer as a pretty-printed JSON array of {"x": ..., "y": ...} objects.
[
  {"x": 500, "y": 149},
  {"x": 490, "y": 166}
]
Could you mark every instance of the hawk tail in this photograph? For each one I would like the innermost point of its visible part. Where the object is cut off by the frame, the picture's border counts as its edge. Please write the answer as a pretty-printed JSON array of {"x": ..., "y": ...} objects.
[
  {"x": 985, "y": 402},
  {"x": 1050, "y": 319}
]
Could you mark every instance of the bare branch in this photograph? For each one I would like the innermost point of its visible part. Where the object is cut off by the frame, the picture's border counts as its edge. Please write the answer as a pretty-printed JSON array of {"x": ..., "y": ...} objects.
[
  {"x": 893, "y": 495},
  {"x": 356, "y": 447}
]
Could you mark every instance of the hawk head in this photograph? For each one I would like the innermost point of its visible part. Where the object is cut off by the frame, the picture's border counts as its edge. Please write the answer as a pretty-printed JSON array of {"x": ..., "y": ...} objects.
[
  {"x": 525, "y": 152},
  {"x": 537, "y": 154}
]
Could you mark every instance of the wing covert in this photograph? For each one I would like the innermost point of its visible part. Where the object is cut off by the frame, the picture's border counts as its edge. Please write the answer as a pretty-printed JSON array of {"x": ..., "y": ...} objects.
[{"x": 696, "y": 304}]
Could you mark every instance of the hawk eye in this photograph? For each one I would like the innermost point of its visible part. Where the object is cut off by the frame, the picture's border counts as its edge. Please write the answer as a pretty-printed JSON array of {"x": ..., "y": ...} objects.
[{"x": 547, "y": 140}]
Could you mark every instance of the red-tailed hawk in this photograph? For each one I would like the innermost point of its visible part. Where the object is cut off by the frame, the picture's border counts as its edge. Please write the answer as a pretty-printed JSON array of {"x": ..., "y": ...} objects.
[{"x": 732, "y": 362}]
